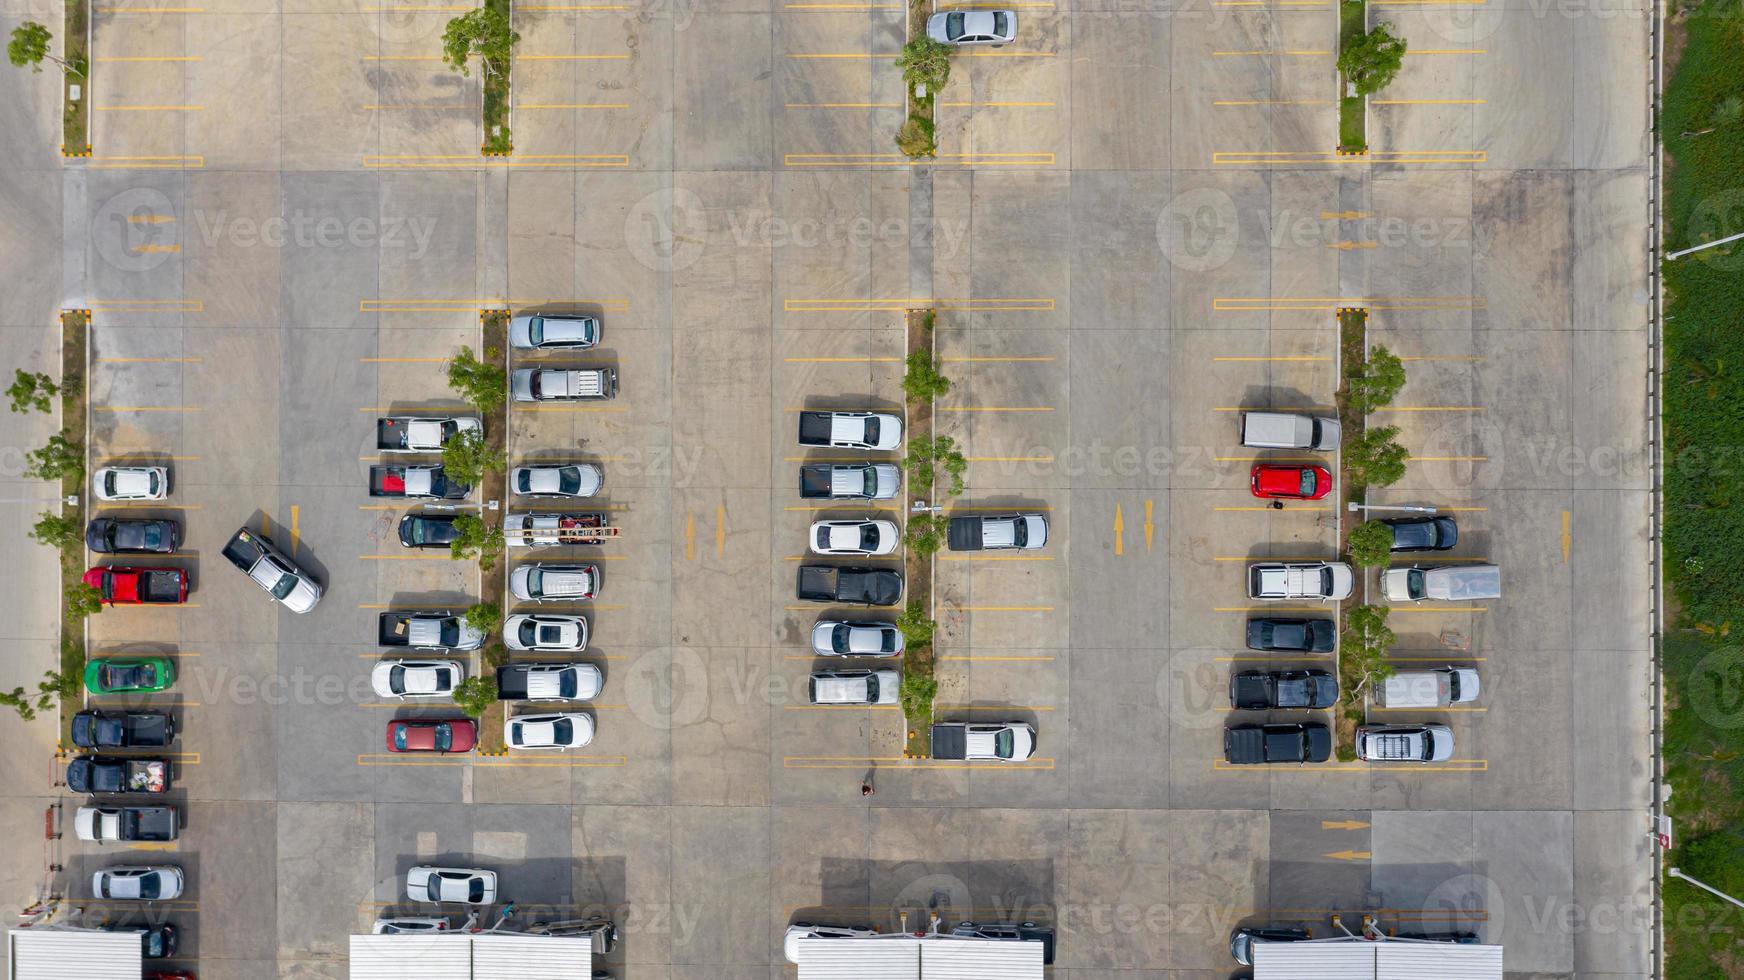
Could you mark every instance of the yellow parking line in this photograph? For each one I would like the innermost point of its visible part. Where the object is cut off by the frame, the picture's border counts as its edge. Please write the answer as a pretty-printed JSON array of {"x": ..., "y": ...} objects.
[
  {"x": 148, "y": 108},
  {"x": 555, "y": 760},
  {"x": 572, "y": 57},
  {"x": 995, "y": 558},
  {"x": 997, "y": 360},
  {"x": 403, "y": 57},
  {"x": 1449, "y": 459},
  {"x": 1249, "y": 304},
  {"x": 1287, "y": 510},
  {"x": 1007, "y": 459},
  {"x": 1448, "y": 357},
  {"x": 1463, "y": 510},
  {"x": 572, "y": 6},
  {"x": 843, "y": 105},
  {"x": 434, "y": 107},
  {"x": 143, "y": 454},
  {"x": 842, "y": 6},
  {"x": 573, "y": 105},
  {"x": 402, "y": 360},
  {"x": 841, "y": 360},
  {"x": 895, "y": 305},
  {"x": 147, "y": 305},
  {"x": 993, "y": 707},
  {"x": 1010, "y": 54},
  {"x": 417, "y": 305},
  {"x": 978, "y": 658},
  {"x": 1271, "y": 608},
  {"x": 1454, "y": 51},
  {"x": 1272, "y": 408},
  {"x": 1269, "y": 459},
  {"x": 437, "y": 556},
  {"x": 841, "y": 707},
  {"x": 410, "y": 408},
  {"x": 1006, "y": 608},
  {"x": 1273, "y": 357},
  {"x": 110, "y": 8},
  {"x": 841, "y": 55},
  {"x": 862, "y": 762},
  {"x": 1289, "y": 52},
  {"x": 120, "y": 58},
  {"x": 146, "y": 163},
  {"x": 1035, "y": 159},
  {"x": 1296, "y": 157},
  {"x": 1429, "y": 102},
  {"x": 145, "y": 408},
  {"x": 149, "y": 360},
  {"x": 840, "y": 506},
  {"x": 1252, "y": 102},
  {"x": 462, "y": 161},
  {"x": 584, "y": 409},
  {"x": 1464, "y": 708},
  {"x": 994, "y": 408},
  {"x": 1440, "y": 609},
  {"x": 999, "y": 105},
  {"x": 153, "y": 505},
  {"x": 1436, "y": 659},
  {"x": 1430, "y": 408}
]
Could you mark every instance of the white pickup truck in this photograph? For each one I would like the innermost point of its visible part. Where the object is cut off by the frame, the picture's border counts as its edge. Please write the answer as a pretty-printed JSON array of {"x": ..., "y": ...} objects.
[
  {"x": 1009, "y": 741},
  {"x": 405, "y": 434},
  {"x": 1275, "y": 581},
  {"x": 862, "y": 481},
  {"x": 548, "y": 682},
  {"x": 850, "y": 430},
  {"x": 563, "y": 384}
]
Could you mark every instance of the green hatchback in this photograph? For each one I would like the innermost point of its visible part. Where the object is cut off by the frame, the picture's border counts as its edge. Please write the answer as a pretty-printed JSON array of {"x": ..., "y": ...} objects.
[{"x": 109, "y": 675}]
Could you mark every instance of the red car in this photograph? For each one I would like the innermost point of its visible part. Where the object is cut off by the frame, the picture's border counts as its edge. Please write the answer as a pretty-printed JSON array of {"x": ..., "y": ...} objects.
[
  {"x": 1274, "y": 482},
  {"x": 445, "y": 735},
  {"x": 136, "y": 586}
]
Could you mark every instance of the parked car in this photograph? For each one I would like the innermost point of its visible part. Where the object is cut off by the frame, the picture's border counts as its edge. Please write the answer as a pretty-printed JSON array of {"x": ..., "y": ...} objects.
[
  {"x": 128, "y": 586},
  {"x": 407, "y": 434},
  {"x": 854, "y": 537},
  {"x": 1259, "y": 690},
  {"x": 1423, "y": 533},
  {"x": 568, "y": 480},
  {"x": 414, "y": 925},
  {"x": 399, "y": 679},
  {"x": 573, "y": 384},
  {"x": 862, "y": 586},
  {"x": 113, "y": 775},
  {"x": 558, "y": 730},
  {"x": 1436, "y": 687},
  {"x": 846, "y": 687},
  {"x": 858, "y": 481},
  {"x": 1245, "y": 745},
  {"x": 1002, "y": 533},
  {"x": 427, "y": 530},
  {"x": 278, "y": 576},
  {"x": 1010, "y": 932},
  {"x": 129, "y": 675},
  {"x": 850, "y": 430},
  {"x": 834, "y": 638},
  {"x": 132, "y": 536},
  {"x": 1451, "y": 583},
  {"x": 138, "y": 883},
  {"x": 1283, "y": 430},
  {"x": 1292, "y": 635},
  {"x": 1275, "y": 581},
  {"x": 106, "y": 824},
  {"x": 1274, "y": 481},
  {"x": 451, "y": 736},
  {"x": 469, "y": 886},
  {"x": 1242, "y": 940},
  {"x": 415, "y": 483},
  {"x": 539, "y": 582},
  {"x": 557, "y": 530},
  {"x": 131, "y": 483},
  {"x": 123, "y": 729},
  {"x": 967, "y": 28},
  {"x": 549, "y": 682},
  {"x": 546, "y": 331},
  {"x": 599, "y": 931},
  {"x": 1005, "y": 741},
  {"x": 155, "y": 943},
  {"x": 436, "y": 630},
  {"x": 1404, "y": 743},
  {"x": 807, "y": 930},
  {"x": 557, "y": 634}
]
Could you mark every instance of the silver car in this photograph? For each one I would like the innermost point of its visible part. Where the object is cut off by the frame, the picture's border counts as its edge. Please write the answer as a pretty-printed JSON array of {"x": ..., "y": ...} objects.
[
  {"x": 973, "y": 27},
  {"x": 541, "y": 331},
  {"x": 469, "y": 886},
  {"x": 833, "y": 638},
  {"x": 572, "y": 480},
  {"x": 143, "y": 883}
]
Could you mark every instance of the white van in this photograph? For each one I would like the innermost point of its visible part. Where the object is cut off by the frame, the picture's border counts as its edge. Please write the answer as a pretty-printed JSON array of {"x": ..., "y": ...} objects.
[
  {"x": 855, "y": 687},
  {"x": 1438, "y": 687},
  {"x": 1450, "y": 583},
  {"x": 1278, "y": 430}
]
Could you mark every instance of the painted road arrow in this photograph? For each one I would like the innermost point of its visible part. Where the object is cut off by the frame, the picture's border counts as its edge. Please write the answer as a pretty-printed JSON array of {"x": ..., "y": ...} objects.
[
  {"x": 1344, "y": 825},
  {"x": 1119, "y": 532},
  {"x": 1349, "y": 855},
  {"x": 1150, "y": 528}
]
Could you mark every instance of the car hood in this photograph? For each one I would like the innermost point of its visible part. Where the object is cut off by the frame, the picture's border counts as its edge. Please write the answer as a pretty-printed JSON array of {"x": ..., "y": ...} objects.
[{"x": 303, "y": 596}]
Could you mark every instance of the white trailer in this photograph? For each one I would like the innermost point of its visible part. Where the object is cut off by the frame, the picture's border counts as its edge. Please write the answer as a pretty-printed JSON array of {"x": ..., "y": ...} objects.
[
  {"x": 903, "y": 956},
  {"x": 470, "y": 956},
  {"x": 50, "y": 953},
  {"x": 1355, "y": 958}
]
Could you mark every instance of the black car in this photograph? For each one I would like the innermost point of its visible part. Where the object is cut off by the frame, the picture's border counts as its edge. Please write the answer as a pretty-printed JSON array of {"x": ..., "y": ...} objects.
[
  {"x": 156, "y": 942},
  {"x": 132, "y": 536},
  {"x": 1252, "y": 745},
  {"x": 1259, "y": 690},
  {"x": 1292, "y": 635},
  {"x": 1241, "y": 941},
  {"x": 1010, "y": 930},
  {"x": 427, "y": 531},
  {"x": 1423, "y": 533}
]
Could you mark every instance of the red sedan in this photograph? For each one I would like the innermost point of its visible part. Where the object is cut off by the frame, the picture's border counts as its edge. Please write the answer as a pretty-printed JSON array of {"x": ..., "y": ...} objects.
[
  {"x": 446, "y": 736},
  {"x": 1274, "y": 482}
]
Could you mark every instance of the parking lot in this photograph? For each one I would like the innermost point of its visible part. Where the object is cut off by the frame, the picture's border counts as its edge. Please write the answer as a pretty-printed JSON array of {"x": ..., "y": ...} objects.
[{"x": 1136, "y": 229}]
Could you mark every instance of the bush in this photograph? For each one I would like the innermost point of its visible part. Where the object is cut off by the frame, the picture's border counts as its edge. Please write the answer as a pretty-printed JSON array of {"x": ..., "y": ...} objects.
[
  {"x": 56, "y": 531},
  {"x": 499, "y": 143},
  {"x": 1374, "y": 384},
  {"x": 486, "y": 617},
  {"x": 1375, "y": 459},
  {"x": 924, "y": 458},
  {"x": 484, "y": 385},
  {"x": 1371, "y": 544},
  {"x": 926, "y": 533},
  {"x": 61, "y": 457},
  {"x": 83, "y": 600},
  {"x": 475, "y": 695},
  {"x": 467, "y": 456},
  {"x": 918, "y": 691},
  {"x": 917, "y": 137},
  {"x": 1362, "y": 654},
  {"x": 922, "y": 381},
  {"x": 1373, "y": 60},
  {"x": 475, "y": 538},
  {"x": 917, "y": 629},
  {"x": 925, "y": 61},
  {"x": 485, "y": 32},
  {"x": 32, "y": 391}
]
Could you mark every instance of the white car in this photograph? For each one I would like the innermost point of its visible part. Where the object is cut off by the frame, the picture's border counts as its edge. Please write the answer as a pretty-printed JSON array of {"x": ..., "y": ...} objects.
[
  {"x": 560, "y": 634},
  {"x": 1276, "y": 581},
  {"x": 415, "y": 925},
  {"x": 559, "y": 730},
  {"x": 543, "y": 331},
  {"x": 834, "y": 638},
  {"x": 399, "y": 679},
  {"x": 805, "y": 930},
  {"x": 131, "y": 483},
  {"x": 143, "y": 883},
  {"x": 854, "y": 537},
  {"x": 973, "y": 27},
  {"x": 538, "y": 582},
  {"x": 571, "y": 480},
  {"x": 469, "y": 886}
]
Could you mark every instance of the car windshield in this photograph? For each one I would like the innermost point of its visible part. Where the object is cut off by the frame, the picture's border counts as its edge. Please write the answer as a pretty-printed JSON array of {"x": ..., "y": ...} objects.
[
  {"x": 953, "y": 25},
  {"x": 397, "y": 679},
  {"x": 1005, "y": 744},
  {"x": 1414, "y": 582},
  {"x": 129, "y": 676},
  {"x": 1020, "y": 532},
  {"x": 1308, "y": 486},
  {"x": 285, "y": 584},
  {"x": 535, "y": 580},
  {"x": 443, "y": 737},
  {"x": 839, "y": 637},
  {"x": 152, "y": 482},
  {"x": 149, "y": 886},
  {"x": 1326, "y": 581},
  {"x": 475, "y": 890},
  {"x": 418, "y": 531},
  {"x": 870, "y": 485},
  {"x": 451, "y": 632},
  {"x": 999, "y": 24},
  {"x": 569, "y": 480},
  {"x": 536, "y": 330},
  {"x": 872, "y": 689},
  {"x": 400, "y": 737},
  {"x": 1453, "y": 686},
  {"x": 528, "y": 633},
  {"x": 151, "y": 536},
  {"x": 561, "y": 730},
  {"x": 109, "y": 483}
]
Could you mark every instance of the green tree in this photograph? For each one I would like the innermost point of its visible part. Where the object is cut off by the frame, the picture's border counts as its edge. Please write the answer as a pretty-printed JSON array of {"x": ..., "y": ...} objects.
[
  {"x": 925, "y": 61},
  {"x": 925, "y": 456},
  {"x": 485, "y": 32},
  {"x": 29, "y": 47},
  {"x": 922, "y": 381},
  {"x": 475, "y": 694},
  {"x": 56, "y": 531},
  {"x": 32, "y": 391},
  {"x": 61, "y": 457},
  {"x": 466, "y": 456},
  {"x": 926, "y": 533},
  {"x": 1371, "y": 61},
  {"x": 83, "y": 600},
  {"x": 917, "y": 628},
  {"x": 1371, "y": 544},
  {"x": 1374, "y": 384},
  {"x": 917, "y": 692},
  {"x": 917, "y": 137},
  {"x": 486, "y": 617},
  {"x": 473, "y": 536},
  {"x": 1362, "y": 654},
  {"x": 1375, "y": 459},
  {"x": 482, "y": 384}
]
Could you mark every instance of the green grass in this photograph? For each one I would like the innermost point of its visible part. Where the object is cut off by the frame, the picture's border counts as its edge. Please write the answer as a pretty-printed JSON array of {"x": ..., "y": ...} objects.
[
  {"x": 75, "y": 129},
  {"x": 1351, "y": 134},
  {"x": 1704, "y": 677},
  {"x": 496, "y": 98},
  {"x": 1351, "y": 21}
]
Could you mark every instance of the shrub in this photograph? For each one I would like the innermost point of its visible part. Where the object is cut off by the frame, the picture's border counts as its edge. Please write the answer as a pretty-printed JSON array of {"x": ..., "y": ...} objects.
[
  {"x": 926, "y": 533},
  {"x": 32, "y": 391},
  {"x": 475, "y": 695},
  {"x": 1362, "y": 655},
  {"x": 61, "y": 457},
  {"x": 922, "y": 381},
  {"x": 916, "y": 138},
  {"x": 482, "y": 384},
  {"x": 1375, "y": 459},
  {"x": 925, "y": 61},
  {"x": 467, "y": 456},
  {"x": 917, "y": 629},
  {"x": 917, "y": 693},
  {"x": 56, "y": 531},
  {"x": 474, "y": 537},
  {"x": 83, "y": 600},
  {"x": 1371, "y": 544},
  {"x": 1376, "y": 382},
  {"x": 1372, "y": 61},
  {"x": 486, "y": 617},
  {"x": 924, "y": 458}
]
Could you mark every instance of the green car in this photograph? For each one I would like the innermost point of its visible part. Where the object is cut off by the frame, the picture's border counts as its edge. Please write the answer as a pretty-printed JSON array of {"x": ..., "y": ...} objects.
[{"x": 107, "y": 675}]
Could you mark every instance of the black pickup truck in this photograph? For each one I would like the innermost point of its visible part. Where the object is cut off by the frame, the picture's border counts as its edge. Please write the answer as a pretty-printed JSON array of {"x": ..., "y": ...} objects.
[
  {"x": 862, "y": 586},
  {"x": 1248, "y": 745},
  {"x": 111, "y": 774},
  {"x": 146, "y": 824},
  {"x": 123, "y": 729},
  {"x": 424, "y": 482},
  {"x": 1259, "y": 690}
]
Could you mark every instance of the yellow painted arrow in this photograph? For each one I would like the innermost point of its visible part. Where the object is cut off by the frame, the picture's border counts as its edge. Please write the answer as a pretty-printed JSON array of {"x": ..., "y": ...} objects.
[
  {"x": 1119, "y": 532},
  {"x": 1342, "y": 215},
  {"x": 1350, "y": 855},
  {"x": 1567, "y": 538},
  {"x": 1347, "y": 246},
  {"x": 1150, "y": 529},
  {"x": 1344, "y": 825},
  {"x": 690, "y": 536},
  {"x": 720, "y": 530}
]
